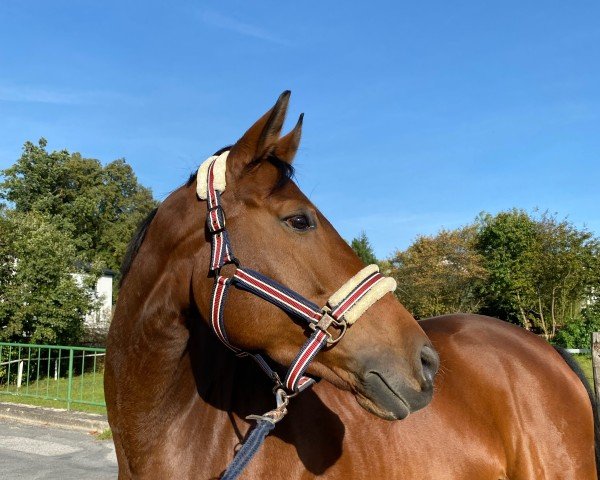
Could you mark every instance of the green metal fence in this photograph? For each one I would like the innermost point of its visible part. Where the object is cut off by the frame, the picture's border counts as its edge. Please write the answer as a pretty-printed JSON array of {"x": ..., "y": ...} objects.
[{"x": 68, "y": 375}]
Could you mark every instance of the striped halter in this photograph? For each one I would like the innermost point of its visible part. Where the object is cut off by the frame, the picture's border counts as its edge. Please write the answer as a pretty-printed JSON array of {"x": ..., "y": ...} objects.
[{"x": 343, "y": 308}]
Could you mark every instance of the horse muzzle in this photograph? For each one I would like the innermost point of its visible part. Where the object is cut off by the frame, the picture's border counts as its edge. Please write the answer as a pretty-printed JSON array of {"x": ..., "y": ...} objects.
[{"x": 393, "y": 392}]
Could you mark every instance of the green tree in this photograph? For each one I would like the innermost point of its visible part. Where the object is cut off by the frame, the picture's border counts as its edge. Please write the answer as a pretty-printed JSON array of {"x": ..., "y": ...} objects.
[
  {"x": 567, "y": 272},
  {"x": 124, "y": 204},
  {"x": 506, "y": 242},
  {"x": 40, "y": 300},
  {"x": 362, "y": 247},
  {"x": 440, "y": 274},
  {"x": 542, "y": 271},
  {"x": 98, "y": 207},
  {"x": 6, "y": 256}
]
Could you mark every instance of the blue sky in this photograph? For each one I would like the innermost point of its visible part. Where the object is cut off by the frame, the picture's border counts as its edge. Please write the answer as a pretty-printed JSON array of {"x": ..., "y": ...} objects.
[{"x": 419, "y": 115}]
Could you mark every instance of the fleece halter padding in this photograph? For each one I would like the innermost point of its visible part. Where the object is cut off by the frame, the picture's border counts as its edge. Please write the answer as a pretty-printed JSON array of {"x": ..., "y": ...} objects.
[
  {"x": 218, "y": 171},
  {"x": 377, "y": 290}
]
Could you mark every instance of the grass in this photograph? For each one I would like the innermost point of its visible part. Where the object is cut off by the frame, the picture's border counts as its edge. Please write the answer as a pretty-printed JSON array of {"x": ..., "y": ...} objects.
[
  {"x": 585, "y": 362},
  {"x": 104, "y": 435},
  {"x": 53, "y": 393}
]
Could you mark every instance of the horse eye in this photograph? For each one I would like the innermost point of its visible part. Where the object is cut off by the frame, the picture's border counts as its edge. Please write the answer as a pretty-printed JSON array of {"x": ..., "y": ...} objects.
[{"x": 298, "y": 222}]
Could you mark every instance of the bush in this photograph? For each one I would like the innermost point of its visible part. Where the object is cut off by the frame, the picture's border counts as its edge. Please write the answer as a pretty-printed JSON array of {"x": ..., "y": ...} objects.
[{"x": 577, "y": 333}]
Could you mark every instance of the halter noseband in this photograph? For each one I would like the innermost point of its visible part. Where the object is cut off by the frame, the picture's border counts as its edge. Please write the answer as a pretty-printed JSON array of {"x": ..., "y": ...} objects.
[{"x": 343, "y": 308}]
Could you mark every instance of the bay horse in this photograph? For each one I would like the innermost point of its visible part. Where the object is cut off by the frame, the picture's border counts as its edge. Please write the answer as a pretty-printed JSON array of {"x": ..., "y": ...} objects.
[{"x": 504, "y": 405}]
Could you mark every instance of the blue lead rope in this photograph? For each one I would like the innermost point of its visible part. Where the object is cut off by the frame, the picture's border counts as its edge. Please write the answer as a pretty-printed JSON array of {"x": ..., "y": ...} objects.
[{"x": 248, "y": 450}]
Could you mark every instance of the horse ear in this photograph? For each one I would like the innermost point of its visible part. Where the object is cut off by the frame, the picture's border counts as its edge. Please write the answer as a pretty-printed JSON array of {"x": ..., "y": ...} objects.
[
  {"x": 261, "y": 137},
  {"x": 287, "y": 146}
]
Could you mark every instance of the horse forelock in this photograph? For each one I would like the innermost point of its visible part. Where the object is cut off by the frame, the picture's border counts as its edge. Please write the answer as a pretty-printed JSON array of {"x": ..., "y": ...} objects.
[
  {"x": 285, "y": 170},
  {"x": 193, "y": 175}
]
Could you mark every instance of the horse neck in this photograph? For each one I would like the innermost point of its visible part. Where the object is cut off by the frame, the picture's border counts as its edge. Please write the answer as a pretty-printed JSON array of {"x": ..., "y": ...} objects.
[
  {"x": 166, "y": 350},
  {"x": 178, "y": 372},
  {"x": 147, "y": 341},
  {"x": 148, "y": 335}
]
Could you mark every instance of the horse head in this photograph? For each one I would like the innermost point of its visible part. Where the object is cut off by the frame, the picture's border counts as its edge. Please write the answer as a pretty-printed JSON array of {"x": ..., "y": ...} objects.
[{"x": 386, "y": 359}]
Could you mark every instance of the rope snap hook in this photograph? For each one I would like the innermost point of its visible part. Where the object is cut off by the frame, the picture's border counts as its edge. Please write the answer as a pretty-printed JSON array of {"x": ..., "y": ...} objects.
[{"x": 282, "y": 400}]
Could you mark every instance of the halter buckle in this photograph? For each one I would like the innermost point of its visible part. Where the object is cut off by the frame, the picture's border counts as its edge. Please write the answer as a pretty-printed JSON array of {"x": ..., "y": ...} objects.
[
  {"x": 215, "y": 219},
  {"x": 326, "y": 321}
]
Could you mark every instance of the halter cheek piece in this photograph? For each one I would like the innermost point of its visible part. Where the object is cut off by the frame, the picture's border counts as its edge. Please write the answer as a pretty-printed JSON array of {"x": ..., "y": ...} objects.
[{"x": 328, "y": 324}]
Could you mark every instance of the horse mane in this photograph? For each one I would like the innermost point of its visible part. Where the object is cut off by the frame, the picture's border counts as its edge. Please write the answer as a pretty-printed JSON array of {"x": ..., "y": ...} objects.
[
  {"x": 135, "y": 244},
  {"x": 285, "y": 173}
]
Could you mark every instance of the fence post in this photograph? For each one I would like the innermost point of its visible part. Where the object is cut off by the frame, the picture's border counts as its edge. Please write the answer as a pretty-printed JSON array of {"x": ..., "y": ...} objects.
[
  {"x": 70, "y": 381},
  {"x": 596, "y": 363},
  {"x": 20, "y": 374}
]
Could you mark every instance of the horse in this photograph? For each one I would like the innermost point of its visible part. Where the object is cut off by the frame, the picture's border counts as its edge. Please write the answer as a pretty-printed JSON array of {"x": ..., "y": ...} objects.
[{"x": 448, "y": 398}]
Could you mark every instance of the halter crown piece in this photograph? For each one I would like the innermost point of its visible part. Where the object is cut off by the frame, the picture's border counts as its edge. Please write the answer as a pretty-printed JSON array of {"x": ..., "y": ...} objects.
[{"x": 343, "y": 308}]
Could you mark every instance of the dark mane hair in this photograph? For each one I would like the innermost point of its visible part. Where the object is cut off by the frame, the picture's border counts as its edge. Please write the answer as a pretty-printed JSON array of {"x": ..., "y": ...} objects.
[
  {"x": 285, "y": 174},
  {"x": 192, "y": 178},
  {"x": 135, "y": 244}
]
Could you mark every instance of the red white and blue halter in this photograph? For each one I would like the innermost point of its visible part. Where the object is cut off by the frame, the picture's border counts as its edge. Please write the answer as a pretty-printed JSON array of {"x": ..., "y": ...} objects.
[{"x": 343, "y": 308}]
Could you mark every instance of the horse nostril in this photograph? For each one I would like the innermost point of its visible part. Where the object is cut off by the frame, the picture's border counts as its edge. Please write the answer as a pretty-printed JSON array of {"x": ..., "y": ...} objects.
[{"x": 430, "y": 362}]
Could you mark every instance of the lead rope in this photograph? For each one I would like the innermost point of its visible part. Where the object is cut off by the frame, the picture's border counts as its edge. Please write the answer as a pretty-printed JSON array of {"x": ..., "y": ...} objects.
[
  {"x": 343, "y": 308},
  {"x": 264, "y": 424}
]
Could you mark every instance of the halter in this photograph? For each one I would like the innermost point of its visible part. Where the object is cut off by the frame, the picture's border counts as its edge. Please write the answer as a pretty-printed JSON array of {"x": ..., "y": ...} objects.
[{"x": 342, "y": 309}]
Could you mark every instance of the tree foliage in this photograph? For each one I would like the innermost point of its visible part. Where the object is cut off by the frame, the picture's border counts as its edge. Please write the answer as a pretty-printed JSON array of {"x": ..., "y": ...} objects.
[
  {"x": 362, "y": 247},
  {"x": 530, "y": 269},
  {"x": 542, "y": 270},
  {"x": 98, "y": 207},
  {"x": 40, "y": 300},
  {"x": 64, "y": 211},
  {"x": 577, "y": 333},
  {"x": 507, "y": 244},
  {"x": 440, "y": 274}
]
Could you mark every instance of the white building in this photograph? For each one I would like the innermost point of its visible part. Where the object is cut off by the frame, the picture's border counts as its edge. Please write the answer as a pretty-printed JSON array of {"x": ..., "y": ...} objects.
[{"x": 99, "y": 319}]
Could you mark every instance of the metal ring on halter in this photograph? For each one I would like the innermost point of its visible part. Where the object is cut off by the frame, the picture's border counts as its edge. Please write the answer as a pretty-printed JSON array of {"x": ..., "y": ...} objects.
[
  {"x": 343, "y": 325},
  {"x": 233, "y": 261},
  {"x": 326, "y": 321},
  {"x": 278, "y": 383}
]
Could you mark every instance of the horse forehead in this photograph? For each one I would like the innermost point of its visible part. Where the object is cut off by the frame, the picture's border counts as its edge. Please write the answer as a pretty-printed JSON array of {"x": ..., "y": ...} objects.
[
  {"x": 290, "y": 192},
  {"x": 287, "y": 196}
]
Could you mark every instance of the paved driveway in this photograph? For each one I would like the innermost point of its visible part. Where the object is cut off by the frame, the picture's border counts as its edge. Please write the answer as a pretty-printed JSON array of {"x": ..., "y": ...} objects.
[{"x": 33, "y": 452}]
